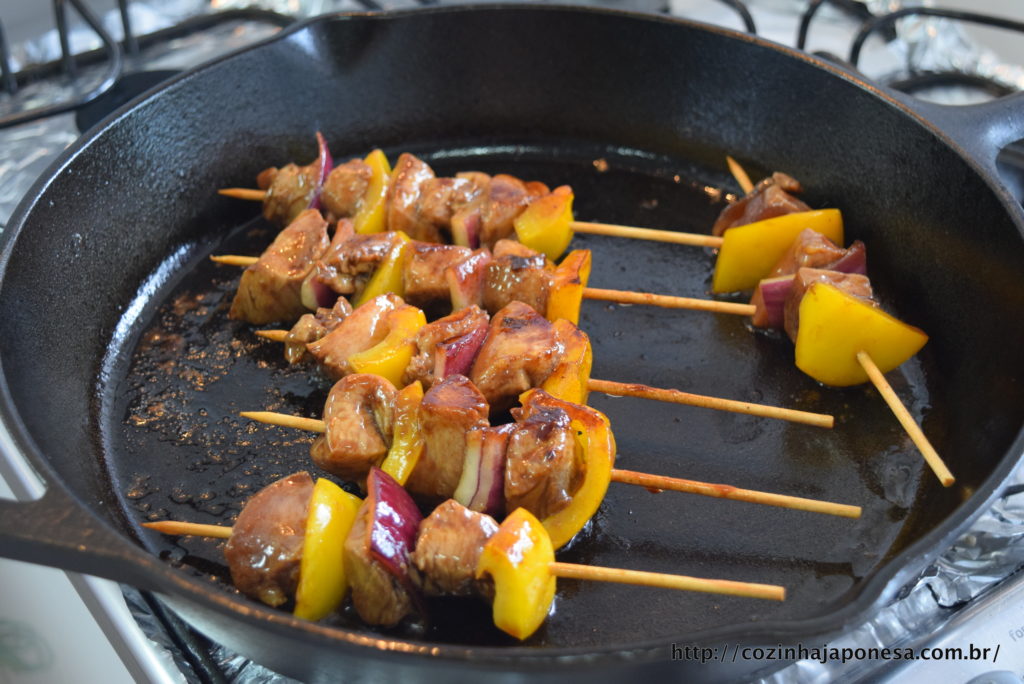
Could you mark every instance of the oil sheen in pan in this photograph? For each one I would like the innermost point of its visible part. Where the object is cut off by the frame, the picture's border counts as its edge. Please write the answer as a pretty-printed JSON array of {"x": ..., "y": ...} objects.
[{"x": 178, "y": 449}]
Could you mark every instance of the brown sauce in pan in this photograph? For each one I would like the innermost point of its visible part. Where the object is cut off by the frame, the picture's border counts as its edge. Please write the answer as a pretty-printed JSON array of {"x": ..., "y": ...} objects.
[{"x": 182, "y": 452}]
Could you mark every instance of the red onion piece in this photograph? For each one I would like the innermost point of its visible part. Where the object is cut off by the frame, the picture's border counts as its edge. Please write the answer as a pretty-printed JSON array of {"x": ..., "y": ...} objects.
[
  {"x": 770, "y": 300},
  {"x": 854, "y": 261},
  {"x": 317, "y": 294},
  {"x": 482, "y": 485},
  {"x": 466, "y": 228},
  {"x": 466, "y": 279},
  {"x": 770, "y": 296},
  {"x": 324, "y": 162},
  {"x": 396, "y": 519},
  {"x": 456, "y": 356}
]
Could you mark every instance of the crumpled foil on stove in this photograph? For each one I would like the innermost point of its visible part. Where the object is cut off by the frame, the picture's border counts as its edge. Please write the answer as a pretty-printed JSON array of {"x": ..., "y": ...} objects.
[
  {"x": 991, "y": 550},
  {"x": 937, "y": 44}
]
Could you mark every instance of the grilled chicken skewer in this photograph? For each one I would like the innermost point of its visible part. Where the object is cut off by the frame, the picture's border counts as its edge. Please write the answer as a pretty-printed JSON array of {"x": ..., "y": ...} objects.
[
  {"x": 518, "y": 349},
  {"x": 315, "y": 541},
  {"x": 445, "y": 447},
  {"x": 845, "y": 329},
  {"x": 473, "y": 208}
]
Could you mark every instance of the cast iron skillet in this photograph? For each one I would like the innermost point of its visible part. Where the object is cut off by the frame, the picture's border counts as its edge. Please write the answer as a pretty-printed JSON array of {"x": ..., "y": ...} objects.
[{"x": 121, "y": 374}]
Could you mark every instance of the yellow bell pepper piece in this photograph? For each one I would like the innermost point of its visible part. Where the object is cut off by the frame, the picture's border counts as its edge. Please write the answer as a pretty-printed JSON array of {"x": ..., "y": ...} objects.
[
  {"x": 322, "y": 581},
  {"x": 571, "y": 376},
  {"x": 567, "y": 287},
  {"x": 597, "y": 444},
  {"x": 546, "y": 225},
  {"x": 749, "y": 252},
  {"x": 389, "y": 276},
  {"x": 370, "y": 216},
  {"x": 834, "y": 326},
  {"x": 390, "y": 357},
  {"x": 518, "y": 557},
  {"x": 407, "y": 442}
]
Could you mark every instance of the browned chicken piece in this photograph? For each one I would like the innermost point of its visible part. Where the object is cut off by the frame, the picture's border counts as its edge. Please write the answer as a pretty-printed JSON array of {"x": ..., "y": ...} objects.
[
  {"x": 290, "y": 191},
  {"x": 543, "y": 467},
  {"x": 517, "y": 274},
  {"x": 433, "y": 334},
  {"x": 507, "y": 197},
  {"x": 441, "y": 198},
  {"x": 362, "y": 329},
  {"x": 771, "y": 197},
  {"x": 424, "y": 272},
  {"x": 448, "y": 546},
  {"x": 403, "y": 199},
  {"x": 520, "y": 351},
  {"x": 271, "y": 289},
  {"x": 313, "y": 326},
  {"x": 466, "y": 279},
  {"x": 449, "y": 410},
  {"x": 851, "y": 283},
  {"x": 358, "y": 422},
  {"x": 264, "y": 552},
  {"x": 811, "y": 249},
  {"x": 379, "y": 598},
  {"x": 350, "y": 262},
  {"x": 346, "y": 185}
]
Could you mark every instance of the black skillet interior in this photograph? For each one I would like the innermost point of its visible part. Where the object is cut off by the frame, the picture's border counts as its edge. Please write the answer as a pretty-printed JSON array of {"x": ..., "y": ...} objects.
[{"x": 121, "y": 362}]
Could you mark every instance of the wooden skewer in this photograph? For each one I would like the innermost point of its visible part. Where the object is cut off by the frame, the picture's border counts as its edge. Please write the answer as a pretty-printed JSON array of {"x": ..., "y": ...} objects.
[
  {"x": 914, "y": 431},
  {"x": 593, "y": 293},
  {"x": 597, "y": 573},
  {"x": 628, "y": 476},
  {"x": 721, "y": 491},
  {"x": 672, "y": 396},
  {"x": 176, "y": 528},
  {"x": 608, "y": 229},
  {"x": 739, "y": 174},
  {"x": 592, "y": 573}
]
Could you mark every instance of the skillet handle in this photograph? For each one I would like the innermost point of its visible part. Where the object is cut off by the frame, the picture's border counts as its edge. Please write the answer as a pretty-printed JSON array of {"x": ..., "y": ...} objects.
[
  {"x": 980, "y": 130},
  {"x": 54, "y": 530}
]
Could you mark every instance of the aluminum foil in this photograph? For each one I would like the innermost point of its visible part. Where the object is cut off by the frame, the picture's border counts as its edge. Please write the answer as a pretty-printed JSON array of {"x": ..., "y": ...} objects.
[
  {"x": 935, "y": 44},
  {"x": 989, "y": 552}
]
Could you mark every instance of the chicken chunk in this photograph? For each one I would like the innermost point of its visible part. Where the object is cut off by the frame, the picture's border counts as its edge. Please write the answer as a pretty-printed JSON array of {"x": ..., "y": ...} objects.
[
  {"x": 271, "y": 289},
  {"x": 543, "y": 467},
  {"x": 346, "y": 185},
  {"x": 449, "y": 410},
  {"x": 448, "y": 547},
  {"x": 264, "y": 552},
  {"x": 358, "y": 421},
  {"x": 771, "y": 197},
  {"x": 520, "y": 351},
  {"x": 362, "y": 329},
  {"x": 517, "y": 274}
]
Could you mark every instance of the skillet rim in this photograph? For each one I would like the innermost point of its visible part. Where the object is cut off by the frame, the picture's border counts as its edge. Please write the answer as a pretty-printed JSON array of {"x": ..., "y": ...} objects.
[{"x": 869, "y": 597}]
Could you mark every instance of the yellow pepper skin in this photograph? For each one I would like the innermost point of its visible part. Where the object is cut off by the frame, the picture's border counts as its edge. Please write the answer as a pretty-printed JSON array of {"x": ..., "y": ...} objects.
[
  {"x": 749, "y": 252},
  {"x": 390, "y": 357},
  {"x": 546, "y": 225},
  {"x": 596, "y": 442},
  {"x": 570, "y": 378},
  {"x": 371, "y": 215},
  {"x": 570, "y": 280},
  {"x": 389, "y": 276},
  {"x": 834, "y": 326},
  {"x": 322, "y": 581},
  {"x": 407, "y": 442},
  {"x": 518, "y": 558}
]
